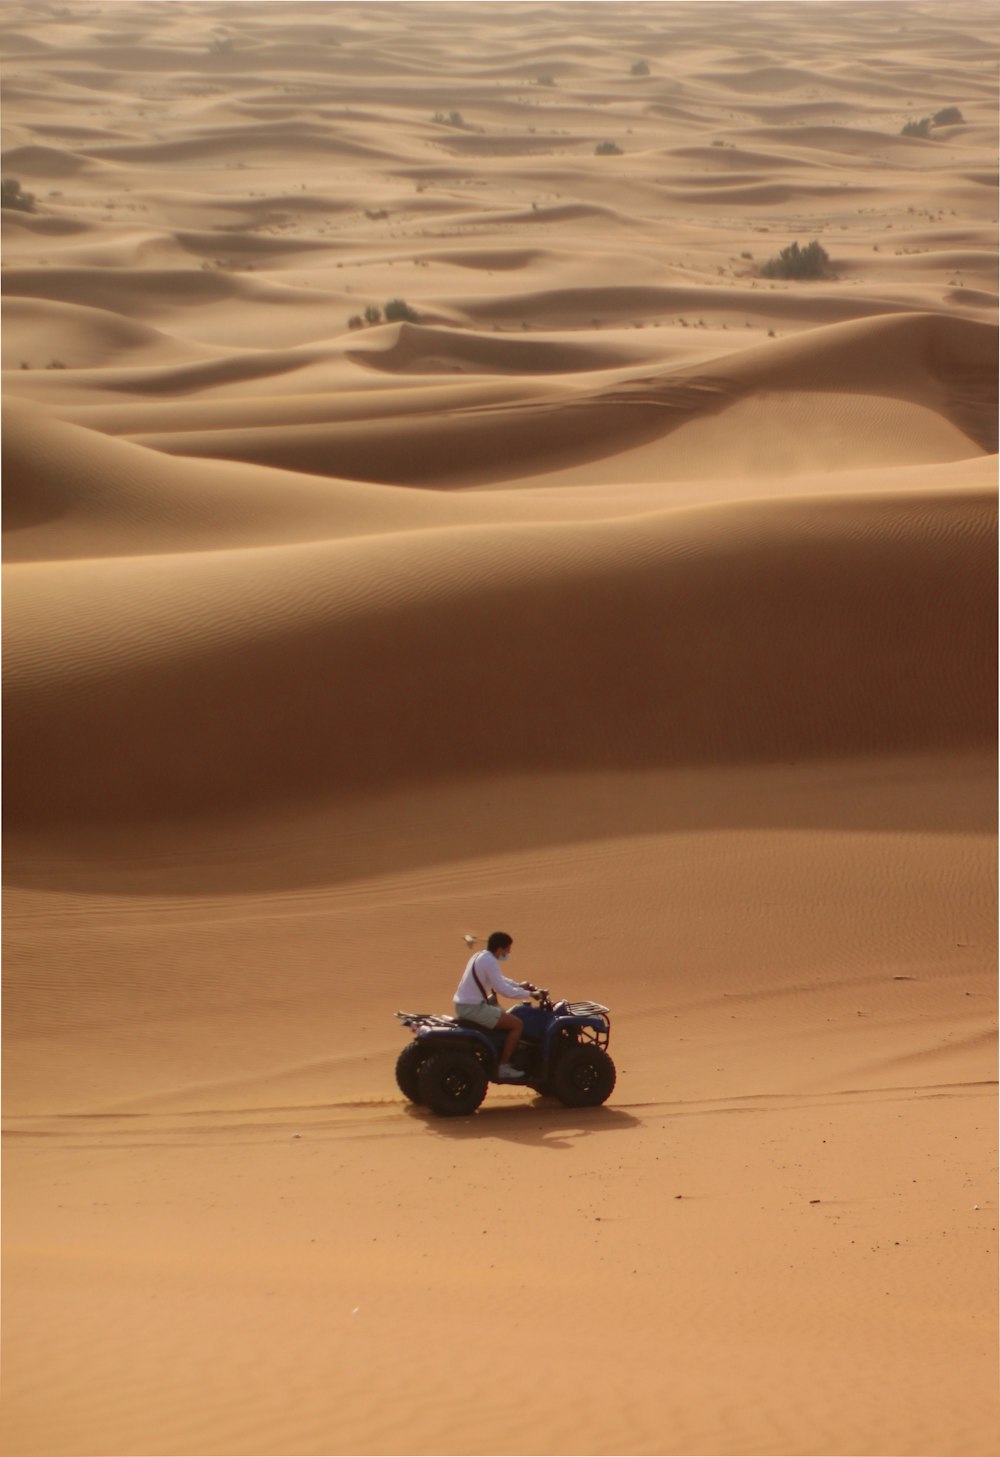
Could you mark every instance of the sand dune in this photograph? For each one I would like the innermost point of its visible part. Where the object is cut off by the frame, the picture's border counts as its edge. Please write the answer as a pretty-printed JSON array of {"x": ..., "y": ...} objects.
[
  {"x": 47, "y": 227},
  {"x": 43, "y": 329},
  {"x": 487, "y": 444},
  {"x": 196, "y": 640},
  {"x": 39, "y": 161},
  {"x": 426, "y": 511},
  {"x": 267, "y": 137},
  {"x": 942, "y": 372},
  {"x": 419, "y": 350},
  {"x": 145, "y": 292},
  {"x": 569, "y": 308},
  {"x": 68, "y": 490}
]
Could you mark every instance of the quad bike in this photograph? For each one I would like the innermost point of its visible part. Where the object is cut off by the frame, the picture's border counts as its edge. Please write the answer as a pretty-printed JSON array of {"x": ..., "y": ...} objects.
[{"x": 562, "y": 1053}]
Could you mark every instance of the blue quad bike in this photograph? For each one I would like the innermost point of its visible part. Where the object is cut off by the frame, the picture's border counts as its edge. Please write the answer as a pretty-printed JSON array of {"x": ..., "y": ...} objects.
[{"x": 562, "y": 1053}]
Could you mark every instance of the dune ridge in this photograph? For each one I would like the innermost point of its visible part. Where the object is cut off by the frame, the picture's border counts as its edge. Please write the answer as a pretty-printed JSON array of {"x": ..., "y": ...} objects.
[
  {"x": 429, "y": 509},
  {"x": 946, "y": 366}
]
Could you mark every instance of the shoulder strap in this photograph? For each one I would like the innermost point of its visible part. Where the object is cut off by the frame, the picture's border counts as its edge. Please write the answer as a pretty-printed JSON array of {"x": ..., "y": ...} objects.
[{"x": 475, "y": 978}]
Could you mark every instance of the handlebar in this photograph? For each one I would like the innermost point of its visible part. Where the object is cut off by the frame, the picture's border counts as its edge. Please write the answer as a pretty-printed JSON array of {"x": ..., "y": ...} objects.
[{"x": 540, "y": 994}]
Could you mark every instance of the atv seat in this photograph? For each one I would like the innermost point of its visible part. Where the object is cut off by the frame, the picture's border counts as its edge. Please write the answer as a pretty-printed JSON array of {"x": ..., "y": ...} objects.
[
  {"x": 496, "y": 1036},
  {"x": 477, "y": 1027}
]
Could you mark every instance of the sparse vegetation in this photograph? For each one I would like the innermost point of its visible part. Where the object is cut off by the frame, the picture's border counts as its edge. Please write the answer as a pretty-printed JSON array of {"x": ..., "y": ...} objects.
[
  {"x": 608, "y": 149},
  {"x": 795, "y": 262},
  {"x": 640, "y": 68},
  {"x": 398, "y": 310},
  {"x": 921, "y": 128},
  {"x": 546, "y": 81},
  {"x": 454, "y": 118},
  {"x": 12, "y": 196},
  {"x": 947, "y": 116}
]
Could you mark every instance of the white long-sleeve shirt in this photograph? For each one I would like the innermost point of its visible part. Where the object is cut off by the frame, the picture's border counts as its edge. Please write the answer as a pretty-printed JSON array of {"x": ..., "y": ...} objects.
[{"x": 487, "y": 968}]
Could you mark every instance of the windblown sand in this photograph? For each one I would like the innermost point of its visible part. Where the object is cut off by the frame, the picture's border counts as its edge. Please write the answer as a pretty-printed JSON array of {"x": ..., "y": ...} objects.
[{"x": 624, "y": 599}]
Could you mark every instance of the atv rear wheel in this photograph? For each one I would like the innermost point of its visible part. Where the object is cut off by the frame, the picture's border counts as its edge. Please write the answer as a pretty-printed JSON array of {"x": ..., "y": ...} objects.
[
  {"x": 452, "y": 1084},
  {"x": 408, "y": 1065},
  {"x": 584, "y": 1077}
]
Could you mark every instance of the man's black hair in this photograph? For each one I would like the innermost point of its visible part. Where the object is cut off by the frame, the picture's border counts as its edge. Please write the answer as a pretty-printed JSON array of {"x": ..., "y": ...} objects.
[{"x": 499, "y": 941}]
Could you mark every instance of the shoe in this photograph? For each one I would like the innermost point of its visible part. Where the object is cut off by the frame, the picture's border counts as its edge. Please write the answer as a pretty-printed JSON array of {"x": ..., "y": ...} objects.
[{"x": 507, "y": 1073}]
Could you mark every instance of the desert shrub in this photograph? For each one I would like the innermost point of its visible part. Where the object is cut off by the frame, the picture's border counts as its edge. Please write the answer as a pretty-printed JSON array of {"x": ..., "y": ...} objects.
[
  {"x": 608, "y": 149},
  {"x": 921, "y": 128},
  {"x": 452, "y": 118},
  {"x": 948, "y": 116},
  {"x": 355, "y": 322},
  {"x": 640, "y": 68},
  {"x": 795, "y": 262},
  {"x": 373, "y": 314},
  {"x": 546, "y": 81},
  {"x": 12, "y": 196},
  {"x": 398, "y": 310}
]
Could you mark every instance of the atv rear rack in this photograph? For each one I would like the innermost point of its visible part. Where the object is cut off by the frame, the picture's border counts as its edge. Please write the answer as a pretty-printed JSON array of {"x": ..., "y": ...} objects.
[{"x": 425, "y": 1020}]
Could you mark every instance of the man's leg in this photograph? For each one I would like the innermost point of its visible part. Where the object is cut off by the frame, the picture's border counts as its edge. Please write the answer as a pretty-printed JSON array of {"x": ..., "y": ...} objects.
[{"x": 513, "y": 1026}]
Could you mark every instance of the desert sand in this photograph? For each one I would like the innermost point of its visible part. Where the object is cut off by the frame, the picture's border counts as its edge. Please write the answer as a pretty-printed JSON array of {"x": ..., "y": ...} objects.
[{"x": 619, "y": 596}]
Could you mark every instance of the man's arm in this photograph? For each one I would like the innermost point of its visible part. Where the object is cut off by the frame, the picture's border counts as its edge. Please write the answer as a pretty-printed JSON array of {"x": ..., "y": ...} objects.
[{"x": 500, "y": 983}]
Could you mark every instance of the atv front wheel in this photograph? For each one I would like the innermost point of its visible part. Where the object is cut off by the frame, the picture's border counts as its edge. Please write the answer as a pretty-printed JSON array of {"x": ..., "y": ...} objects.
[
  {"x": 452, "y": 1084},
  {"x": 584, "y": 1077},
  {"x": 408, "y": 1065}
]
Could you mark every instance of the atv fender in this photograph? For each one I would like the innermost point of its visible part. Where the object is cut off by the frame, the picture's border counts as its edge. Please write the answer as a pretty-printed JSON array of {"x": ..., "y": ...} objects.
[{"x": 450, "y": 1037}]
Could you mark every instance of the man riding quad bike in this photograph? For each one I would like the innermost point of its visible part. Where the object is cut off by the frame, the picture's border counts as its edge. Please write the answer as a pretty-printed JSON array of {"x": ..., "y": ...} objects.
[{"x": 562, "y": 1052}]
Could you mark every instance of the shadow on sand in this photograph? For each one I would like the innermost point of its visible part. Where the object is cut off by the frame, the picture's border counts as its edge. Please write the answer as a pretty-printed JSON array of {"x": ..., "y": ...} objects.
[{"x": 542, "y": 1123}]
